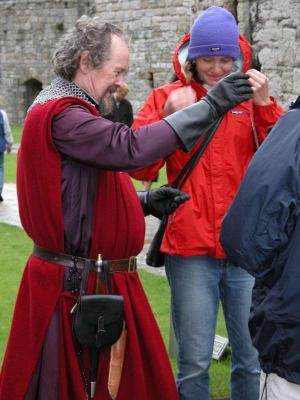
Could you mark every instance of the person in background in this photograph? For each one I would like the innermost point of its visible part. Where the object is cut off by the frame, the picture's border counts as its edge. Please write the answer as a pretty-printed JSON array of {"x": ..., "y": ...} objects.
[
  {"x": 198, "y": 271},
  {"x": 121, "y": 107},
  {"x": 6, "y": 142},
  {"x": 122, "y": 112},
  {"x": 76, "y": 201},
  {"x": 261, "y": 232}
]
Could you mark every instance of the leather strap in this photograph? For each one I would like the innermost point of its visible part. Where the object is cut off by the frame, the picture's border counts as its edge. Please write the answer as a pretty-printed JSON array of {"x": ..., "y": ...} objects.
[
  {"x": 67, "y": 260},
  {"x": 191, "y": 163},
  {"x": 254, "y": 131}
]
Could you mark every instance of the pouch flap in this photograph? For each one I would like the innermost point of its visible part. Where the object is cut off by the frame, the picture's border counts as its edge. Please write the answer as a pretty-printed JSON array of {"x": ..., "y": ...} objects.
[{"x": 110, "y": 307}]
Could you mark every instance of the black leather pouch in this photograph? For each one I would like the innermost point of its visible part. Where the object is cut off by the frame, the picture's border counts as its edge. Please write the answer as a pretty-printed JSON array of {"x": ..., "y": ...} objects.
[{"x": 98, "y": 320}]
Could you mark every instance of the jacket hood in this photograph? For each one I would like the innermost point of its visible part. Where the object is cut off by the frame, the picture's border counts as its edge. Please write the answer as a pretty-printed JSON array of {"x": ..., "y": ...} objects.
[{"x": 180, "y": 55}]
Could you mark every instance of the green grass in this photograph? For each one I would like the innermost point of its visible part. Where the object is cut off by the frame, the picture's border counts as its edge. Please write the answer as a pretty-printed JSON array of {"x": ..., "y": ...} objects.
[
  {"x": 10, "y": 163},
  {"x": 162, "y": 180},
  {"x": 15, "y": 248},
  {"x": 16, "y": 130},
  {"x": 10, "y": 160}
]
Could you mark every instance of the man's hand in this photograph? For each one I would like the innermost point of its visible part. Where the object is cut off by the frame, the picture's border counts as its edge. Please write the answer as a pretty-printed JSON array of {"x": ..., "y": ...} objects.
[
  {"x": 229, "y": 92},
  {"x": 260, "y": 87},
  {"x": 164, "y": 200}
]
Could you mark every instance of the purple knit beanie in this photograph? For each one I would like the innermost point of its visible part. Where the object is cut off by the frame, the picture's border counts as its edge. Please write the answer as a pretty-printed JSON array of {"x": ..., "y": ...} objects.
[{"x": 214, "y": 33}]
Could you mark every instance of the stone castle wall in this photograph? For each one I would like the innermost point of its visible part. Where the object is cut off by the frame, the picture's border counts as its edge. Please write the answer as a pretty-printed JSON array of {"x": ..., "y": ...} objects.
[
  {"x": 29, "y": 30},
  {"x": 28, "y": 33}
]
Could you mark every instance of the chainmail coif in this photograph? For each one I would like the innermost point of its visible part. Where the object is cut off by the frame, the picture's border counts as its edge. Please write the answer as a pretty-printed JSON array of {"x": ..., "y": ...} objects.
[{"x": 60, "y": 88}]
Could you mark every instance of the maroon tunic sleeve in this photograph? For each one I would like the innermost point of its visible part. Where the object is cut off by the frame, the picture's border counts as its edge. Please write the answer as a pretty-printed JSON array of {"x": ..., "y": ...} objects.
[{"x": 106, "y": 145}]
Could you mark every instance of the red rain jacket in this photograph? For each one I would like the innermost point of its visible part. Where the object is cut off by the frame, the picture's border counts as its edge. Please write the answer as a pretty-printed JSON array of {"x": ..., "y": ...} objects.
[{"x": 194, "y": 228}]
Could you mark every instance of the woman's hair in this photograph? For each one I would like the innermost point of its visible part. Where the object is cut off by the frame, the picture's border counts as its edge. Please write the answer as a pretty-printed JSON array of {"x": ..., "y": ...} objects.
[
  {"x": 189, "y": 71},
  {"x": 88, "y": 34}
]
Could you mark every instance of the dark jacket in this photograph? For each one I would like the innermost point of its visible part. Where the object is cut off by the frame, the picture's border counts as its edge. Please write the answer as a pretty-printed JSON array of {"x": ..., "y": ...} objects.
[
  {"x": 121, "y": 112},
  {"x": 261, "y": 233}
]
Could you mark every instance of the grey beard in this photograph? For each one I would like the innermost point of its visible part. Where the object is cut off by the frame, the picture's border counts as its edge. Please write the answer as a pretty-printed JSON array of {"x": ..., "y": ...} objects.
[{"x": 105, "y": 106}]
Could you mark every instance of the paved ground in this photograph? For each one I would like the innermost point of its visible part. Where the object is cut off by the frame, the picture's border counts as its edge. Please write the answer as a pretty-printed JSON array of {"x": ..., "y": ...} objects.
[{"x": 9, "y": 214}]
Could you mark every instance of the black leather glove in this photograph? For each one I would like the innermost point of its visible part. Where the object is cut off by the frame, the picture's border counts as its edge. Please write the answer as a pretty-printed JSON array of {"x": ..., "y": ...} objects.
[
  {"x": 229, "y": 92},
  {"x": 164, "y": 200},
  {"x": 192, "y": 122}
]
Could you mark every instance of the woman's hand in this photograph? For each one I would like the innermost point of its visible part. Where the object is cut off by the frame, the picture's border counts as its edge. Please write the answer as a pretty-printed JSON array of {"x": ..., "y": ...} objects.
[
  {"x": 260, "y": 86},
  {"x": 179, "y": 99}
]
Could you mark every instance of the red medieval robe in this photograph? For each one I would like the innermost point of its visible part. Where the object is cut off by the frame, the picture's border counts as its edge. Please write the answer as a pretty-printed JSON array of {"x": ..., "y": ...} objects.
[{"x": 117, "y": 232}]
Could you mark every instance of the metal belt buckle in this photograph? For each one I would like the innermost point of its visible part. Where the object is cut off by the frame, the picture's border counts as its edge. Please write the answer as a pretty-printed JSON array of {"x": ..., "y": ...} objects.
[{"x": 132, "y": 264}]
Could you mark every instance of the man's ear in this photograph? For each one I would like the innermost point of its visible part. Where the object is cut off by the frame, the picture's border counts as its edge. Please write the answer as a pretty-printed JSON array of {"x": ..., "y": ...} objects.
[{"x": 84, "y": 62}]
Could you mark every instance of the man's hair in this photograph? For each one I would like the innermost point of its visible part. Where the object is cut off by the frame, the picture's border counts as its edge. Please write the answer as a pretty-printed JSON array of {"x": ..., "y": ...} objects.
[{"x": 88, "y": 34}]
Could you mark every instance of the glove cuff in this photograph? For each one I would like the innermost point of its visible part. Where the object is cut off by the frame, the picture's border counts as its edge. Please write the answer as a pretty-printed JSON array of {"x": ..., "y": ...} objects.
[
  {"x": 192, "y": 122},
  {"x": 145, "y": 203}
]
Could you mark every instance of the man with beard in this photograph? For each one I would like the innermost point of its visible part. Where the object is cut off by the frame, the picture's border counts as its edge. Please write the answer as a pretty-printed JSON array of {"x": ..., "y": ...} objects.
[{"x": 76, "y": 202}]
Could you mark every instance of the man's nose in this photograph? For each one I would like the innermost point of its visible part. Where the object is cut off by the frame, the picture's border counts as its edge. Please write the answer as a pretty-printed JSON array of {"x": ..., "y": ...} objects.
[{"x": 120, "y": 79}]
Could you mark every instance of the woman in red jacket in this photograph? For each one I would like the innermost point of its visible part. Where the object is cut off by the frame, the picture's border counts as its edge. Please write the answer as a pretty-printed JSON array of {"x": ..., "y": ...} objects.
[{"x": 197, "y": 269}]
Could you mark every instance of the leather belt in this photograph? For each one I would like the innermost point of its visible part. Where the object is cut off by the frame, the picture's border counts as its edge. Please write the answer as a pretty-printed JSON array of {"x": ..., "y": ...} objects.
[{"x": 67, "y": 260}]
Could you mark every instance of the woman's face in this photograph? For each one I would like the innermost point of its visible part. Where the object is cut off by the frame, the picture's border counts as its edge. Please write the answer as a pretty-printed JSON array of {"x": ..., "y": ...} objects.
[{"x": 212, "y": 69}]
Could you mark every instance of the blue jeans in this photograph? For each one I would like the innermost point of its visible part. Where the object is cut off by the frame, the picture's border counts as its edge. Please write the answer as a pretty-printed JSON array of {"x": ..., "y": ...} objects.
[
  {"x": 197, "y": 285},
  {"x": 1, "y": 171}
]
